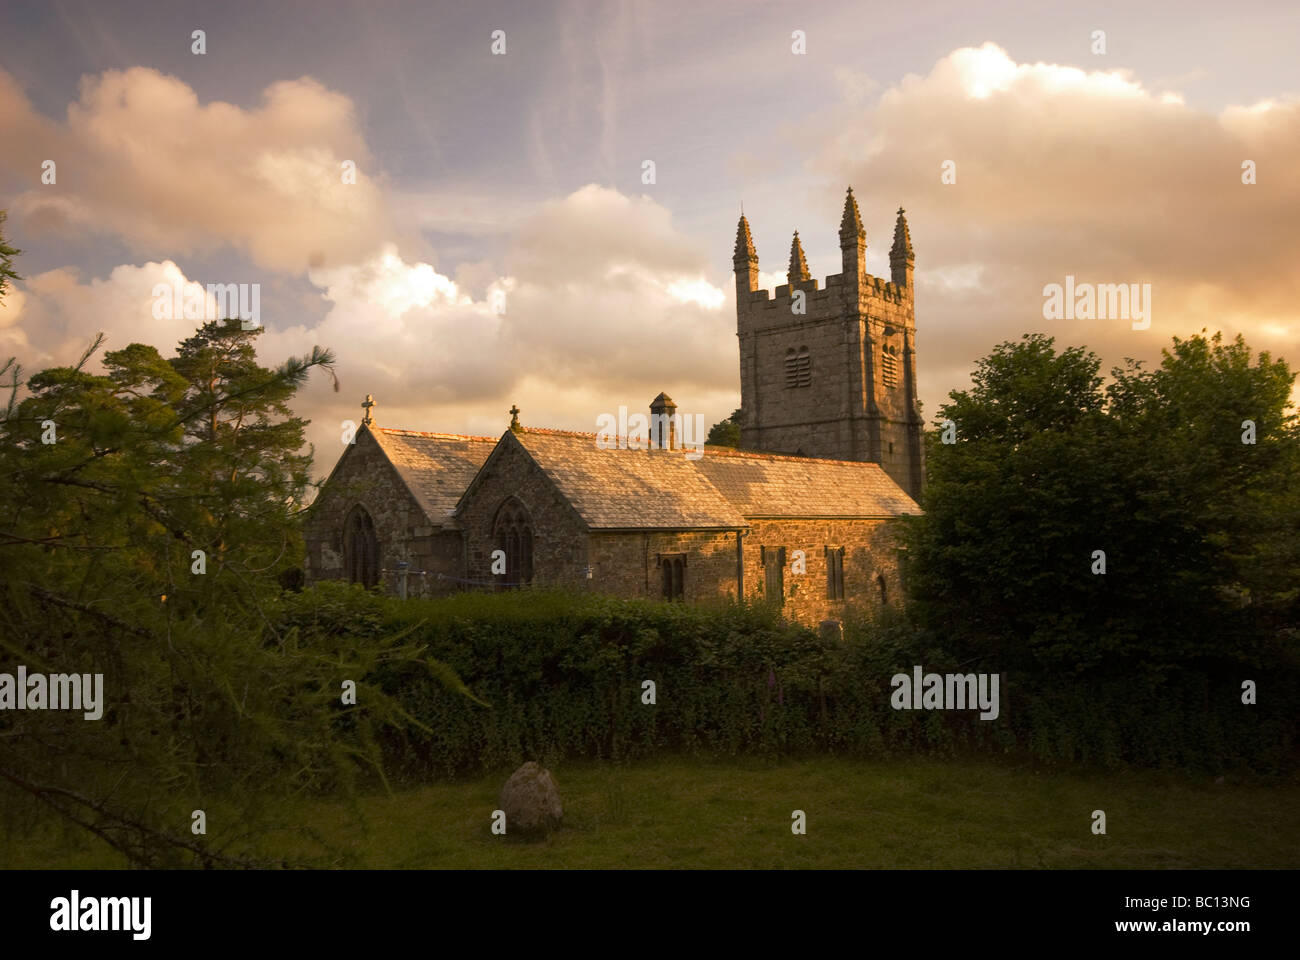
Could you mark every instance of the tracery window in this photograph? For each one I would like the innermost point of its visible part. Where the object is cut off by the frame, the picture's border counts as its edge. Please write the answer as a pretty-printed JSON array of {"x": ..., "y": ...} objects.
[
  {"x": 513, "y": 534},
  {"x": 360, "y": 548}
]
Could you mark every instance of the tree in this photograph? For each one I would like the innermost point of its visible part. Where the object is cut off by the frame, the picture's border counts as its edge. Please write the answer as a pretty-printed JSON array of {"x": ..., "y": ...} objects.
[
  {"x": 144, "y": 515},
  {"x": 726, "y": 433},
  {"x": 1216, "y": 450},
  {"x": 1051, "y": 475},
  {"x": 7, "y": 254}
]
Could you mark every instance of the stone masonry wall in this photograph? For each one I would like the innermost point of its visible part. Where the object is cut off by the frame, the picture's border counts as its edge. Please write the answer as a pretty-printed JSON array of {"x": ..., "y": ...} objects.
[
  {"x": 627, "y": 564},
  {"x": 364, "y": 476},
  {"x": 870, "y": 550},
  {"x": 848, "y": 412},
  {"x": 559, "y": 536}
]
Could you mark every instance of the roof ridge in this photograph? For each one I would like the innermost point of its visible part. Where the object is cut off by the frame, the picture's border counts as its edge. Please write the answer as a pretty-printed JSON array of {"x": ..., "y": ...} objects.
[
  {"x": 551, "y": 432},
  {"x": 717, "y": 451},
  {"x": 396, "y": 431},
  {"x": 712, "y": 450}
]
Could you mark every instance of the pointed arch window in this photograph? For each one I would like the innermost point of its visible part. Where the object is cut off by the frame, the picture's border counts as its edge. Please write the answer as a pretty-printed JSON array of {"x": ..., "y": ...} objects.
[
  {"x": 513, "y": 534},
  {"x": 773, "y": 562},
  {"x": 672, "y": 569},
  {"x": 884, "y": 591},
  {"x": 834, "y": 573},
  {"x": 798, "y": 368},
  {"x": 360, "y": 548}
]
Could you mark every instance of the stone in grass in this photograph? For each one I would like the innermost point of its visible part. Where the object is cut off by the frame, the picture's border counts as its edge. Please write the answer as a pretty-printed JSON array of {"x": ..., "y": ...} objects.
[{"x": 531, "y": 801}]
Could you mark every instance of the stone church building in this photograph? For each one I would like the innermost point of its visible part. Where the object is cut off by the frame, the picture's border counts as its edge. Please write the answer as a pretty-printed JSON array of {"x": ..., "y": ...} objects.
[{"x": 831, "y": 453}]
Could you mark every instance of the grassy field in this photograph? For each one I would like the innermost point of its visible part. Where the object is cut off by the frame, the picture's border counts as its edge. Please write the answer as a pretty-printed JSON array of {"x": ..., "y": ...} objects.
[{"x": 860, "y": 814}]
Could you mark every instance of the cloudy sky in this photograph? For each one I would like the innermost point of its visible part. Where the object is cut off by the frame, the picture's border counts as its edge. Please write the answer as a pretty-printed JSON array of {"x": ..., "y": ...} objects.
[{"x": 499, "y": 244}]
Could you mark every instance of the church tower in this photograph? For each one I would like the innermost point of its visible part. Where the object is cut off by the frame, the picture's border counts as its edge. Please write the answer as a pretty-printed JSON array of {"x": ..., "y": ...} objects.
[{"x": 831, "y": 372}]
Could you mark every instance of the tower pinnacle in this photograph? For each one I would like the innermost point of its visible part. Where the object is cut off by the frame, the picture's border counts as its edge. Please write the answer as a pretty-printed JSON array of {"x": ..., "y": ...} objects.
[
  {"x": 851, "y": 221},
  {"x": 901, "y": 257},
  {"x": 744, "y": 242},
  {"x": 745, "y": 260},
  {"x": 798, "y": 265}
]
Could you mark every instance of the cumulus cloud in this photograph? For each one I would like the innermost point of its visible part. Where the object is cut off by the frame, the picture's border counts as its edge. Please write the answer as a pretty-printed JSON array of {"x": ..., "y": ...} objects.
[
  {"x": 51, "y": 318},
  {"x": 600, "y": 300},
  {"x": 604, "y": 304},
  {"x": 139, "y": 156},
  {"x": 1061, "y": 171}
]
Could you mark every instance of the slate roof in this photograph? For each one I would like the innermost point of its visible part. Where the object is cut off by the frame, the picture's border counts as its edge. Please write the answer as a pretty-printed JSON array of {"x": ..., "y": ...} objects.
[
  {"x": 635, "y": 489},
  {"x": 629, "y": 489},
  {"x": 771, "y": 485},
  {"x": 436, "y": 467}
]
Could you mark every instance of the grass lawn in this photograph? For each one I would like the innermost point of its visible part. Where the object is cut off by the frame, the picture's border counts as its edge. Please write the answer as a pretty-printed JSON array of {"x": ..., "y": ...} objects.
[{"x": 860, "y": 814}]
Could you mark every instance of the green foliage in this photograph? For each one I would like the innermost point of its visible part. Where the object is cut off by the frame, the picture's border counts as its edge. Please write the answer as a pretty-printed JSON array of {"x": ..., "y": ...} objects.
[
  {"x": 563, "y": 675},
  {"x": 7, "y": 254},
  {"x": 206, "y": 698},
  {"x": 725, "y": 433},
  {"x": 1199, "y": 530}
]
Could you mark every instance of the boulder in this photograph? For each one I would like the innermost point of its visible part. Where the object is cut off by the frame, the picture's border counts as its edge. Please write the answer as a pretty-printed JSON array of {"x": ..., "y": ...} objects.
[{"x": 531, "y": 800}]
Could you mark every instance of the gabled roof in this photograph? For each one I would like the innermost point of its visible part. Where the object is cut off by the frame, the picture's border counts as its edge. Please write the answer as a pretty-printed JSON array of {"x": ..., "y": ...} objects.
[
  {"x": 625, "y": 489},
  {"x": 436, "y": 467},
  {"x": 772, "y": 485},
  {"x": 637, "y": 489}
]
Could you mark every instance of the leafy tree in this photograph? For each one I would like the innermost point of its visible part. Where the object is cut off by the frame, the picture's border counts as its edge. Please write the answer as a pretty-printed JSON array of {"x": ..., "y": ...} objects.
[
  {"x": 726, "y": 433},
  {"x": 1215, "y": 449},
  {"x": 1049, "y": 467}
]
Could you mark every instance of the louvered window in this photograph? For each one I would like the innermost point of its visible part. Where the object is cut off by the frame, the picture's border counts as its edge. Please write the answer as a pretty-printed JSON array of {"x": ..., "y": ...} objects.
[
  {"x": 889, "y": 368},
  {"x": 798, "y": 368}
]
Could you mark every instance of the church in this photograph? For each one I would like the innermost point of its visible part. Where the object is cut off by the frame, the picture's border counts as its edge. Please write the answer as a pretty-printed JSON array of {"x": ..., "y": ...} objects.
[{"x": 801, "y": 515}]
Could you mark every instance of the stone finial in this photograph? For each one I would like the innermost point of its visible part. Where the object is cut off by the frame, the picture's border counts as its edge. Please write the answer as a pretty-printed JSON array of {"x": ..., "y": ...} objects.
[
  {"x": 798, "y": 265},
  {"x": 515, "y": 425},
  {"x": 369, "y": 403},
  {"x": 746, "y": 263},
  {"x": 744, "y": 243},
  {"x": 901, "y": 258},
  {"x": 851, "y": 221},
  {"x": 902, "y": 248}
]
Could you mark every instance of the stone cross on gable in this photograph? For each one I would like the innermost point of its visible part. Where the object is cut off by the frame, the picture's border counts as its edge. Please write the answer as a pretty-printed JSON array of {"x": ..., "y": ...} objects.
[
  {"x": 370, "y": 402},
  {"x": 514, "y": 418}
]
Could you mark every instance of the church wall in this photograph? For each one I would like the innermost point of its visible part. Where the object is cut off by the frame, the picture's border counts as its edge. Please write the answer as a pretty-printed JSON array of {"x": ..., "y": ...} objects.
[
  {"x": 891, "y": 326},
  {"x": 364, "y": 476},
  {"x": 626, "y": 564},
  {"x": 870, "y": 550},
  {"x": 559, "y": 536}
]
